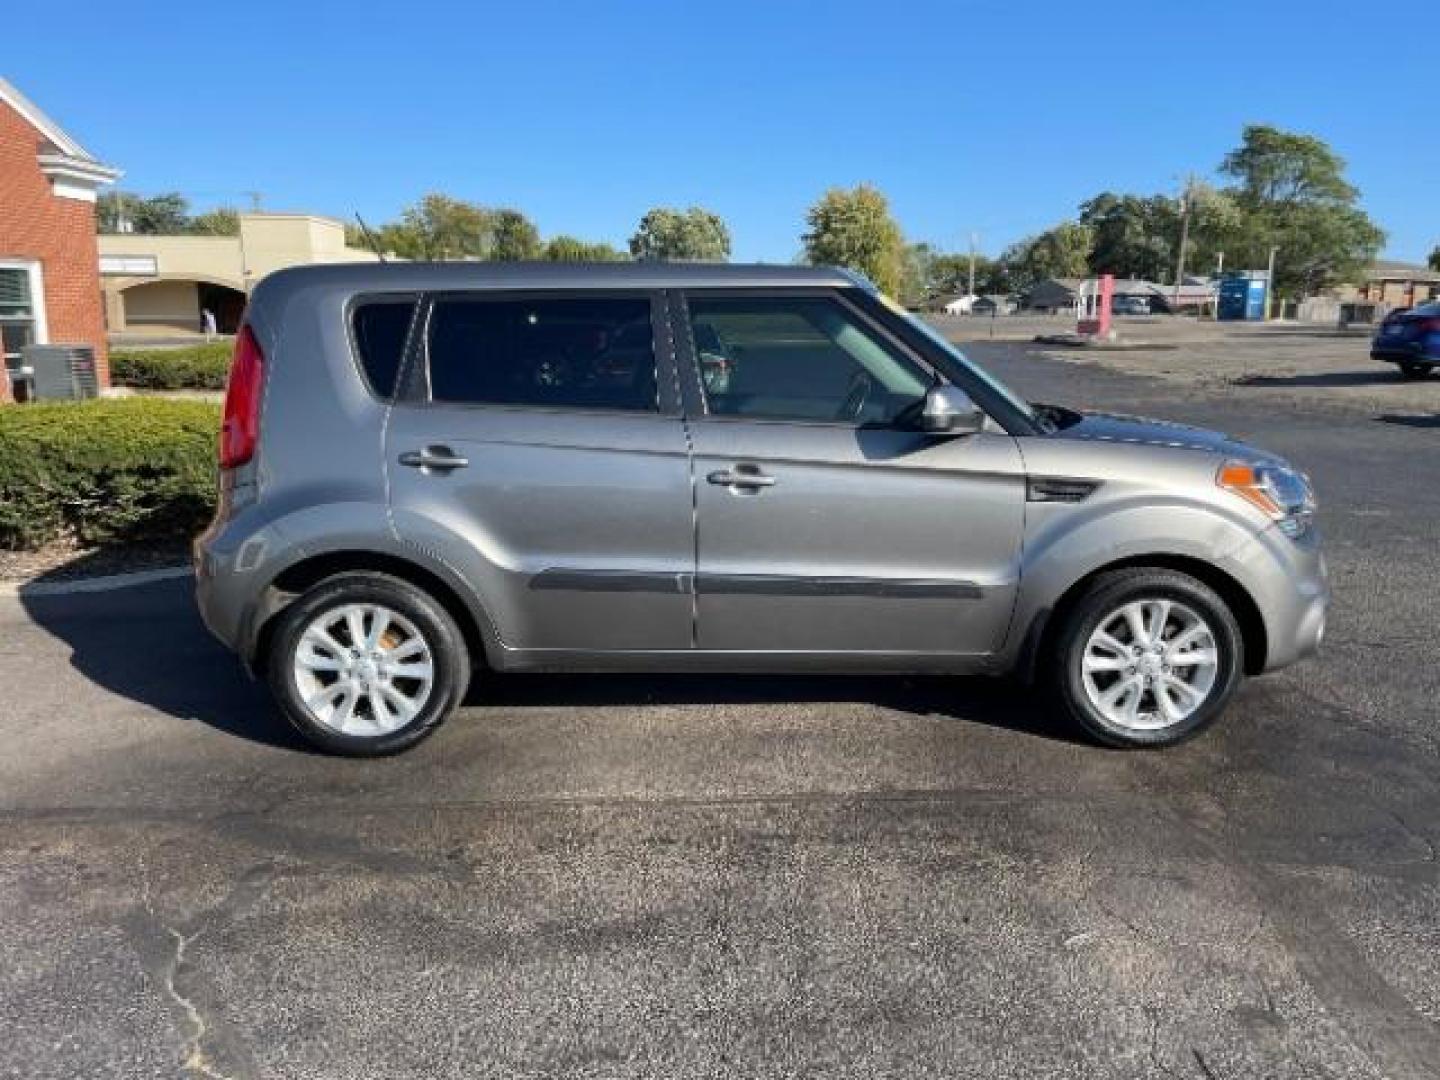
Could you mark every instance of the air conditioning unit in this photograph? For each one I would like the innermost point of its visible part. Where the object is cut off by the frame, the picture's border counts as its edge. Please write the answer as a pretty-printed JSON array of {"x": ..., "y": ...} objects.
[{"x": 61, "y": 372}]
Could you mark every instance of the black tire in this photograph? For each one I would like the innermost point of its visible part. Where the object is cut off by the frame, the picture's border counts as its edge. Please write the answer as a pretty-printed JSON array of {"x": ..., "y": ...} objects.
[
  {"x": 1099, "y": 602},
  {"x": 1413, "y": 369},
  {"x": 450, "y": 660}
]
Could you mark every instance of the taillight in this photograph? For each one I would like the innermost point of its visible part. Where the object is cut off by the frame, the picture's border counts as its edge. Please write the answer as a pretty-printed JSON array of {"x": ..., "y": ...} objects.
[{"x": 240, "y": 428}]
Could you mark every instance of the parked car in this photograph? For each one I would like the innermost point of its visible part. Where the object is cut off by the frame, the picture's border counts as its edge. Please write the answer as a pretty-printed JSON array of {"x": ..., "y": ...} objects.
[
  {"x": 434, "y": 471},
  {"x": 1410, "y": 338},
  {"x": 1130, "y": 305}
]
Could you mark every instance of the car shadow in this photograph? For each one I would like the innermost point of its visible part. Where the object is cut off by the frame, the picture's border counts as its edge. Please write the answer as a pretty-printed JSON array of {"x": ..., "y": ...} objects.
[
  {"x": 1431, "y": 421},
  {"x": 999, "y": 703},
  {"x": 1320, "y": 379},
  {"x": 147, "y": 644}
]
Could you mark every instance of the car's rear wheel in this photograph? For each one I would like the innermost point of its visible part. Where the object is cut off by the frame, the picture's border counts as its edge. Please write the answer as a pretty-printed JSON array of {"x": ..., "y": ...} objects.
[
  {"x": 365, "y": 664},
  {"x": 1413, "y": 369},
  {"x": 1147, "y": 657}
]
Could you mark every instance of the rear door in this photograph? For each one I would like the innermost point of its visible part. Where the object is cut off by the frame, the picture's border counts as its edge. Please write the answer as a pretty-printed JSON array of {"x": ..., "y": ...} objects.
[
  {"x": 824, "y": 524},
  {"x": 538, "y": 446}
]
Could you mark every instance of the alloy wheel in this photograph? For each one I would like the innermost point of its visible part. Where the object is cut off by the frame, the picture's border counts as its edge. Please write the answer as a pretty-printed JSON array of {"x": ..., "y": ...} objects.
[
  {"x": 363, "y": 669},
  {"x": 1150, "y": 664}
]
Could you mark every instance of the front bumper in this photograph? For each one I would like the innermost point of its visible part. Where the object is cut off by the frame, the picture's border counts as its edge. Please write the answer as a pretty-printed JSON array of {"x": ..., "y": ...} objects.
[{"x": 1289, "y": 583}]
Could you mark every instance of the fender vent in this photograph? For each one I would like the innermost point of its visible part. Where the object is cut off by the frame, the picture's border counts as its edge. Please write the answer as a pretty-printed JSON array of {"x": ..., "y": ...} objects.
[{"x": 1054, "y": 489}]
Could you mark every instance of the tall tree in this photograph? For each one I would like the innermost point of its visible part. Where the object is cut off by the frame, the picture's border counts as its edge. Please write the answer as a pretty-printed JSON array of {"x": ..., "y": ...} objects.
[
  {"x": 1133, "y": 236},
  {"x": 695, "y": 234},
  {"x": 853, "y": 228},
  {"x": 569, "y": 249},
  {"x": 1293, "y": 197},
  {"x": 1435, "y": 258},
  {"x": 513, "y": 237},
  {"x": 440, "y": 227},
  {"x": 917, "y": 282},
  {"x": 158, "y": 215},
  {"x": 1059, "y": 252}
]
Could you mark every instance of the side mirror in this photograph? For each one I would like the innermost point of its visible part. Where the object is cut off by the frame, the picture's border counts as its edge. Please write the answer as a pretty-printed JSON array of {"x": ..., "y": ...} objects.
[{"x": 948, "y": 410}]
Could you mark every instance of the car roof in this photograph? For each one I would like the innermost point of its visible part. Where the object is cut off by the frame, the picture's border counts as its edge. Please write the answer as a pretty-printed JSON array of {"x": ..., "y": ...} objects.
[{"x": 434, "y": 276}]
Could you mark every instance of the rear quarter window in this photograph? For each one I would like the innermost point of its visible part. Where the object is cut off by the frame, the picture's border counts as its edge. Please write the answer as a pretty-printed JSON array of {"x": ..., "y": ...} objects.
[{"x": 381, "y": 328}]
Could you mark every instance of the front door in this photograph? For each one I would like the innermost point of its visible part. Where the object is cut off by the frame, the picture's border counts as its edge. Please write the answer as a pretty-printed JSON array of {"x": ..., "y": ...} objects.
[
  {"x": 547, "y": 461},
  {"x": 824, "y": 524}
]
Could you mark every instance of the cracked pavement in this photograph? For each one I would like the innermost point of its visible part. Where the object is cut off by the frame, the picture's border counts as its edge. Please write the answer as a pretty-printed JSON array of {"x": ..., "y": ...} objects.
[{"x": 627, "y": 876}]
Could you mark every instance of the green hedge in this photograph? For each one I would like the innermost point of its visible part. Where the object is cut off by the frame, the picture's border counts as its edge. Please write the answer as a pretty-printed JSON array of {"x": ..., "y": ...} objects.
[
  {"x": 192, "y": 367},
  {"x": 105, "y": 472}
]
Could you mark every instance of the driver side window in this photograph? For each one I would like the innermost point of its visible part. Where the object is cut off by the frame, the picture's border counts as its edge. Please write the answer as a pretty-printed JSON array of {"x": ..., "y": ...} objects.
[{"x": 798, "y": 358}]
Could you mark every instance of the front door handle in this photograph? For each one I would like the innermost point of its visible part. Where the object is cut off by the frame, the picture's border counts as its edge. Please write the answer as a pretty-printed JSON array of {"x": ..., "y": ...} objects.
[
  {"x": 434, "y": 458},
  {"x": 741, "y": 476}
]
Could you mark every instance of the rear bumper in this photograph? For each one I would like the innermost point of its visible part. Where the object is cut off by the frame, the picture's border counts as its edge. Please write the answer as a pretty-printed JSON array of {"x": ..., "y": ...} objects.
[{"x": 1411, "y": 353}]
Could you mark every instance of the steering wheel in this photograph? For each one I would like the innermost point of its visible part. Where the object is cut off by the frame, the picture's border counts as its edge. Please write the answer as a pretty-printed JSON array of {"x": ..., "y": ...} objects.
[{"x": 856, "y": 394}]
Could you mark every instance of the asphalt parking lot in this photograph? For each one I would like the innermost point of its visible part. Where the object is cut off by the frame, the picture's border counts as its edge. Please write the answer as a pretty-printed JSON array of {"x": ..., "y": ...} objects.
[{"x": 757, "y": 876}]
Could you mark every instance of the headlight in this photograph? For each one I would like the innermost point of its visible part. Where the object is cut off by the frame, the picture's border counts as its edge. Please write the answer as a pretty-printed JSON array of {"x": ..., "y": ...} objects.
[{"x": 1283, "y": 493}]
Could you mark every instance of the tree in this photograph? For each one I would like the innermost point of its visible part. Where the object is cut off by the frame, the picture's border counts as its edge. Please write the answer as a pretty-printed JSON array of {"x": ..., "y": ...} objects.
[
  {"x": 439, "y": 227},
  {"x": 1293, "y": 197},
  {"x": 513, "y": 237},
  {"x": 569, "y": 249},
  {"x": 696, "y": 234},
  {"x": 1133, "y": 236},
  {"x": 158, "y": 215},
  {"x": 222, "y": 221},
  {"x": 1139, "y": 236},
  {"x": 853, "y": 228},
  {"x": 1059, "y": 252},
  {"x": 1274, "y": 166},
  {"x": 930, "y": 274},
  {"x": 1435, "y": 258},
  {"x": 917, "y": 274}
]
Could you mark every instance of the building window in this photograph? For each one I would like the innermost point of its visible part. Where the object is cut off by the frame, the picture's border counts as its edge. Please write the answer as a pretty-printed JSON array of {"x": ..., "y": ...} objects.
[{"x": 18, "y": 322}]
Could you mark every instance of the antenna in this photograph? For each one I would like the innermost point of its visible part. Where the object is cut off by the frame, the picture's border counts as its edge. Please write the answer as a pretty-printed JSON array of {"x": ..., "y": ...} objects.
[{"x": 370, "y": 237}]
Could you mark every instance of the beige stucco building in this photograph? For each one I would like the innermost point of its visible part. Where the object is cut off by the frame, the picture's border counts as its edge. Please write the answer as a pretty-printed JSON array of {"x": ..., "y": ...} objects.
[{"x": 163, "y": 283}]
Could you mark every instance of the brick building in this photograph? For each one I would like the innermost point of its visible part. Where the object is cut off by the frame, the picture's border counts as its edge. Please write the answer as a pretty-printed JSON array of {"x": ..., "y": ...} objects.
[{"x": 49, "y": 262}]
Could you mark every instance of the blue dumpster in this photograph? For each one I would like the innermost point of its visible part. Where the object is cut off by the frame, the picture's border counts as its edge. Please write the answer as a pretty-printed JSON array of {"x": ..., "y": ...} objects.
[{"x": 1242, "y": 296}]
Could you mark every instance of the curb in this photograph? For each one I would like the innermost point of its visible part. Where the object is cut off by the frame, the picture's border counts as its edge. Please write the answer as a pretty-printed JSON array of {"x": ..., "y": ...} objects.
[{"x": 108, "y": 583}]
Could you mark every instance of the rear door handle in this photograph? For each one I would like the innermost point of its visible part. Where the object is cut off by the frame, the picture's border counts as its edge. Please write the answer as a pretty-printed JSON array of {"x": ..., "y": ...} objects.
[
  {"x": 436, "y": 458},
  {"x": 741, "y": 476}
]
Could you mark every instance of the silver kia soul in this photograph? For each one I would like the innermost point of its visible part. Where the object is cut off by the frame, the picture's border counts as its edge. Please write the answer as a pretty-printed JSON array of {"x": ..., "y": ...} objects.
[{"x": 429, "y": 471}]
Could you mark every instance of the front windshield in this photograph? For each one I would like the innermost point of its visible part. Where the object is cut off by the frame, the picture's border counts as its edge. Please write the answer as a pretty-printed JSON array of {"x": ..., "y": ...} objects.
[{"x": 1020, "y": 404}]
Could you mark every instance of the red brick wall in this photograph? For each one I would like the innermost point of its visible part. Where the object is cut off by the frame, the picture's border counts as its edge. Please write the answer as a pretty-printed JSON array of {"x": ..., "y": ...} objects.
[{"x": 35, "y": 224}]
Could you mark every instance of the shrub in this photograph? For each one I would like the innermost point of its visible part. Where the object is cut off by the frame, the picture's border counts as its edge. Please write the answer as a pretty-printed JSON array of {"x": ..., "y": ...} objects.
[
  {"x": 107, "y": 471},
  {"x": 193, "y": 367}
]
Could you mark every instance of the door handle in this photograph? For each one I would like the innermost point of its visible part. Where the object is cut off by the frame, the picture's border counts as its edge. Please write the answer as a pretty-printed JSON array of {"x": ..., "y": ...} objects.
[
  {"x": 742, "y": 476},
  {"x": 437, "y": 458}
]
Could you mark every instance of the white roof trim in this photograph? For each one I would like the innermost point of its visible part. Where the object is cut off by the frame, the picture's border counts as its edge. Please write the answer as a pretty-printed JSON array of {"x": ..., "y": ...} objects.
[
  {"x": 73, "y": 168},
  {"x": 43, "y": 124}
]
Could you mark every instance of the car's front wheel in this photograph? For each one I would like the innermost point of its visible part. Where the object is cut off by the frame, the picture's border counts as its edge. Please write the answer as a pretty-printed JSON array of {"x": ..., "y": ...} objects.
[
  {"x": 365, "y": 664},
  {"x": 1147, "y": 657},
  {"x": 1413, "y": 369}
]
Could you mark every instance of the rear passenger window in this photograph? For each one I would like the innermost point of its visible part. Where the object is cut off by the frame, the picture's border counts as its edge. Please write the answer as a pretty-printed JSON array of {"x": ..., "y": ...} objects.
[
  {"x": 381, "y": 327},
  {"x": 585, "y": 353}
]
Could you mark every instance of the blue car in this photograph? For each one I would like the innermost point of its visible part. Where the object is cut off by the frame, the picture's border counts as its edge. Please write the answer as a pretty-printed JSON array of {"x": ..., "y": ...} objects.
[{"x": 1410, "y": 337}]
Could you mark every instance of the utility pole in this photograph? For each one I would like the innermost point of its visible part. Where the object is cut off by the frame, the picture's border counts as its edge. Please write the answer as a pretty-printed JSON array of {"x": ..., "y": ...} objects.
[
  {"x": 1219, "y": 273},
  {"x": 971, "y": 290},
  {"x": 1270, "y": 285},
  {"x": 1184, "y": 239}
]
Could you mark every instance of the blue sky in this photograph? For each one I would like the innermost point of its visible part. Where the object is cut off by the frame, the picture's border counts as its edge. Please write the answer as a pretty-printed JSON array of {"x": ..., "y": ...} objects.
[{"x": 995, "y": 118}]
